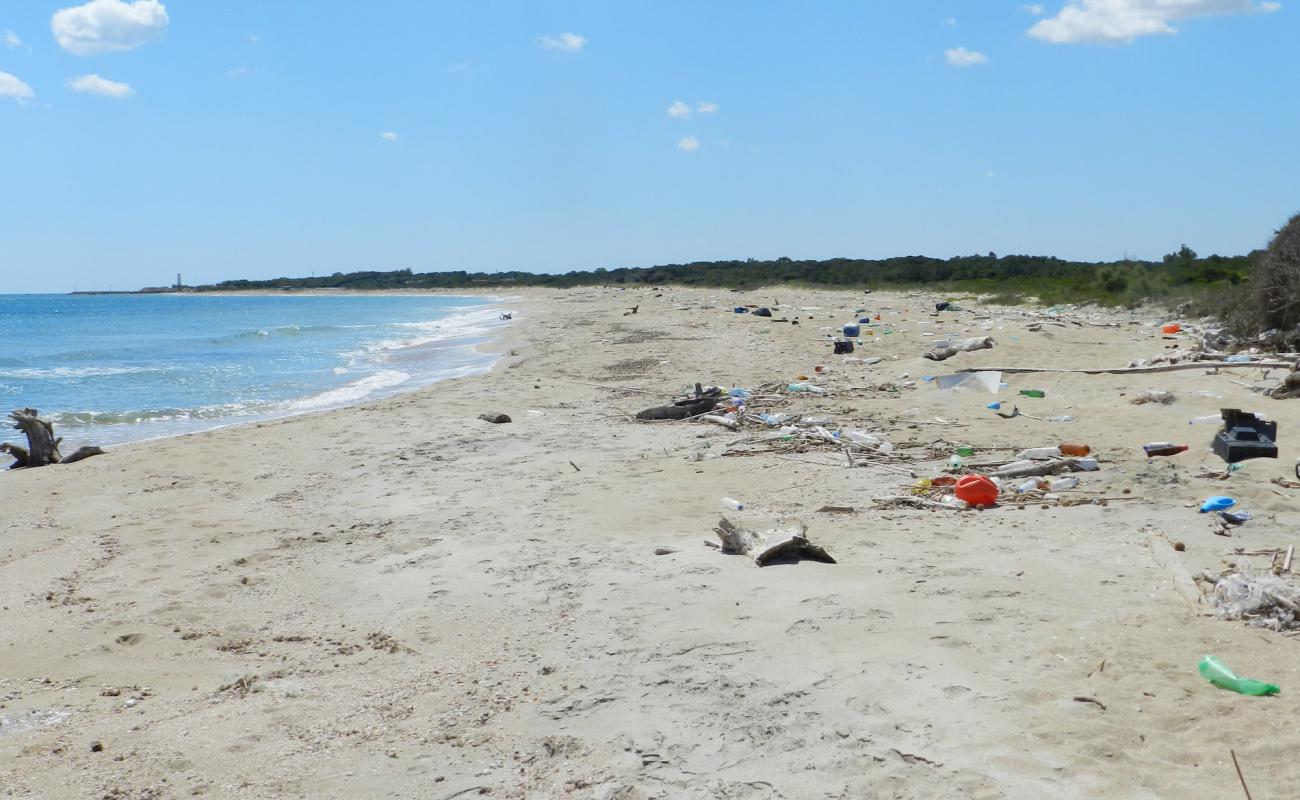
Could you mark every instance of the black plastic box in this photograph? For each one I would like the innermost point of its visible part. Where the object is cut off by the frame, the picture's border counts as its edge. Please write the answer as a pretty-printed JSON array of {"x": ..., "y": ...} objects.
[{"x": 1245, "y": 436}]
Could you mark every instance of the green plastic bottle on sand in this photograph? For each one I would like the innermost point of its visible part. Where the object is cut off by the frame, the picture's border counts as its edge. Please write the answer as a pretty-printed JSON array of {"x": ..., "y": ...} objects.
[
  {"x": 1032, "y": 393},
  {"x": 1217, "y": 673}
]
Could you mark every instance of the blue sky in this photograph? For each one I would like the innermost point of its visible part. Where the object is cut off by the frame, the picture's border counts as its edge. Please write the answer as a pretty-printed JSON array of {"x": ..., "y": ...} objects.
[{"x": 245, "y": 138}]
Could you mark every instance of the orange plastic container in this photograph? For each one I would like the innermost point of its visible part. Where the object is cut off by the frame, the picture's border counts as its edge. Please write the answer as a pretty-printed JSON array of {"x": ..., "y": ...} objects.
[
  {"x": 1172, "y": 327},
  {"x": 977, "y": 490},
  {"x": 1074, "y": 449}
]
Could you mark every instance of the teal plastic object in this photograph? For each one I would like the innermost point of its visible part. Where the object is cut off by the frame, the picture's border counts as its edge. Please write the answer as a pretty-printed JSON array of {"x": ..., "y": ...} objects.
[
  {"x": 1217, "y": 503},
  {"x": 1217, "y": 673}
]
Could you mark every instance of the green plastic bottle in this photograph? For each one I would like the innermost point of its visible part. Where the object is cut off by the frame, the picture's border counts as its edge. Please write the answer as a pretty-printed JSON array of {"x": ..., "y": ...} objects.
[
  {"x": 1217, "y": 673},
  {"x": 1032, "y": 393}
]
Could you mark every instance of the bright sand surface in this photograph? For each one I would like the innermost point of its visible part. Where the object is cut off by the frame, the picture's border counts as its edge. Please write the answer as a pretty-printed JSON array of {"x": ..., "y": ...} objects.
[{"x": 398, "y": 600}]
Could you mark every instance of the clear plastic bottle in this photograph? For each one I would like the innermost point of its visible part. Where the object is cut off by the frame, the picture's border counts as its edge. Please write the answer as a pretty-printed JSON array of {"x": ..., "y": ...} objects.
[
  {"x": 1061, "y": 484},
  {"x": 954, "y": 462},
  {"x": 734, "y": 505},
  {"x": 1039, "y": 452},
  {"x": 954, "y": 502},
  {"x": 1208, "y": 419},
  {"x": 861, "y": 437}
]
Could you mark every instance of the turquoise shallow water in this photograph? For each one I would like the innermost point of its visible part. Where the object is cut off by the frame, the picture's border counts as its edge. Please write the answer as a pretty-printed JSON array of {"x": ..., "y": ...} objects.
[{"x": 108, "y": 369}]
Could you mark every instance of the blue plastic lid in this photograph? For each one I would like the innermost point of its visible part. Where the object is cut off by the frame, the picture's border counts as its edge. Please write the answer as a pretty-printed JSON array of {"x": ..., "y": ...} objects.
[{"x": 1217, "y": 503}]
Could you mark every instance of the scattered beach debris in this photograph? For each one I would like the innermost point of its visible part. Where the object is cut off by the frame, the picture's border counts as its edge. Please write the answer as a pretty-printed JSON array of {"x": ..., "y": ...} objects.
[
  {"x": 1245, "y": 436},
  {"x": 941, "y": 351},
  {"x": 1218, "y": 673},
  {"x": 1159, "y": 396},
  {"x": 977, "y": 380},
  {"x": 496, "y": 419},
  {"x": 1261, "y": 601},
  {"x": 770, "y": 547},
  {"x": 1290, "y": 386},
  {"x": 700, "y": 402},
  {"x": 42, "y": 445}
]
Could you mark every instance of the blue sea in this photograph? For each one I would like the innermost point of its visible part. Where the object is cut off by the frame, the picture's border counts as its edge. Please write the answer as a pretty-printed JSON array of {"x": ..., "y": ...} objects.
[{"x": 107, "y": 369}]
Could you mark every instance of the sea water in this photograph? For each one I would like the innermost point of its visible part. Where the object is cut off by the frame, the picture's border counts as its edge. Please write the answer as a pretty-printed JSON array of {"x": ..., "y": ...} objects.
[{"x": 107, "y": 369}]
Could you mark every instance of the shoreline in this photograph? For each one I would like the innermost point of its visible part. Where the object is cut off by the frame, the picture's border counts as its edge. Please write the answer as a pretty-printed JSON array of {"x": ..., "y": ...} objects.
[
  {"x": 490, "y": 345},
  {"x": 379, "y": 599}
]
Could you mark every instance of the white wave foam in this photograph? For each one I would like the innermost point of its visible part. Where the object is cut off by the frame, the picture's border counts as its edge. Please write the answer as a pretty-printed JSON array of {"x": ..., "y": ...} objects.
[
  {"x": 353, "y": 392},
  {"x": 37, "y": 373},
  {"x": 456, "y": 326}
]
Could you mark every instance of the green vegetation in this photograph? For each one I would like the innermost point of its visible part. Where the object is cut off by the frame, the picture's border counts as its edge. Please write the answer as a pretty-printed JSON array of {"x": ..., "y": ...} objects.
[
  {"x": 1180, "y": 276},
  {"x": 1276, "y": 281}
]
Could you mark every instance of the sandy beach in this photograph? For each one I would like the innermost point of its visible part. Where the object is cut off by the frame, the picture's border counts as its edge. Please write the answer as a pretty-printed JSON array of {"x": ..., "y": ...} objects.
[{"x": 399, "y": 600}]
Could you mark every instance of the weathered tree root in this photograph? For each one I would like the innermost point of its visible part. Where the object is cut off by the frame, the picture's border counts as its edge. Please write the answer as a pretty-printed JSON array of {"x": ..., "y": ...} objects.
[{"x": 42, "y": 445}]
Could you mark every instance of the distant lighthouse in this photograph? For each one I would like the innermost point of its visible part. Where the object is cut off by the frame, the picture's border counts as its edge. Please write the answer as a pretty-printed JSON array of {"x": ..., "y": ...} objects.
[{"x": 178, "y": 282}]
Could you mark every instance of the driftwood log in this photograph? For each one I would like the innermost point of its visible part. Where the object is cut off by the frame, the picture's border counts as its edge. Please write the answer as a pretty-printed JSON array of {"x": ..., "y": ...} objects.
[
  {"x": 1290, "y": 385},
  {"x": 42, "y": 445},
  {"x": 1138, "y": 370},
  {"x": 770, "y": 547}
]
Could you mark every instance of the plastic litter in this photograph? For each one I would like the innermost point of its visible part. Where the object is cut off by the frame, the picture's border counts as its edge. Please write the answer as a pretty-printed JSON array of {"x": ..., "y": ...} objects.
[
  {"x": 1172, "y": 327},
  {"x": 734, "y": 505},
  {"x": 1217, "y": 503},
  {"x": 1154, "y": 396},
  {"x": 1245, "y": 436},
  {"x": 1153, "y": 449},
  {"x": 1208, "y": 419},
  {"x": 1061, "y": 484},
  {"x": 861, "y": 437},
  {"x": 1261, "y": 600},
  {"x": 969, "y": 381},
  {"x": 1218, "y": 673},
  {"x": 977, "y": 490},
  {"x": 1036, "y": 393},
  {"x": 805, "y": 387}
]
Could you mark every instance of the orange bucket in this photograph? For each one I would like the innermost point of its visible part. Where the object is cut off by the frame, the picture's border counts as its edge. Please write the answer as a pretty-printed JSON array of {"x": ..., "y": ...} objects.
[
  {"x": 977, "y": 490},
  {"x": 1172, "y": 327}
]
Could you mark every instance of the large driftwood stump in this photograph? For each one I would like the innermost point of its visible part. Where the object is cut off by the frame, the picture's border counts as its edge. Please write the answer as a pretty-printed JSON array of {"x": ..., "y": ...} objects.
[
  {"x": 766, "y": 548},
  {"x": 42, "y": 445}
]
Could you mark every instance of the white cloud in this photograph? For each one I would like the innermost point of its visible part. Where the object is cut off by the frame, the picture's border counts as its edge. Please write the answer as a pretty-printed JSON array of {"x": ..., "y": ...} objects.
[
  {"x": 10, "y": 86},
  {"x": 705, "y": 107},
  {"x": 93, "y": 84},
  {"x": 108, "y": 26},
  {"x": 961, "y": 57},
  {"x": 1111, "y": 21},
  {"x": 253, "y": 38},
  {"x": 12, "y": 41},
  {"x": 388, "y": 136},
  {"x": 1034, "y": 9},
  {"x": 237, "y": 72},
  {"x": 948, "y": 22},
  {"x": 679, "y": 110},
  {"x": 568, "y": 42},
  {"x": 988, "y": 173},
  {"x": 688, "y": 143},
  {"x": 459, "y": 66}
]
